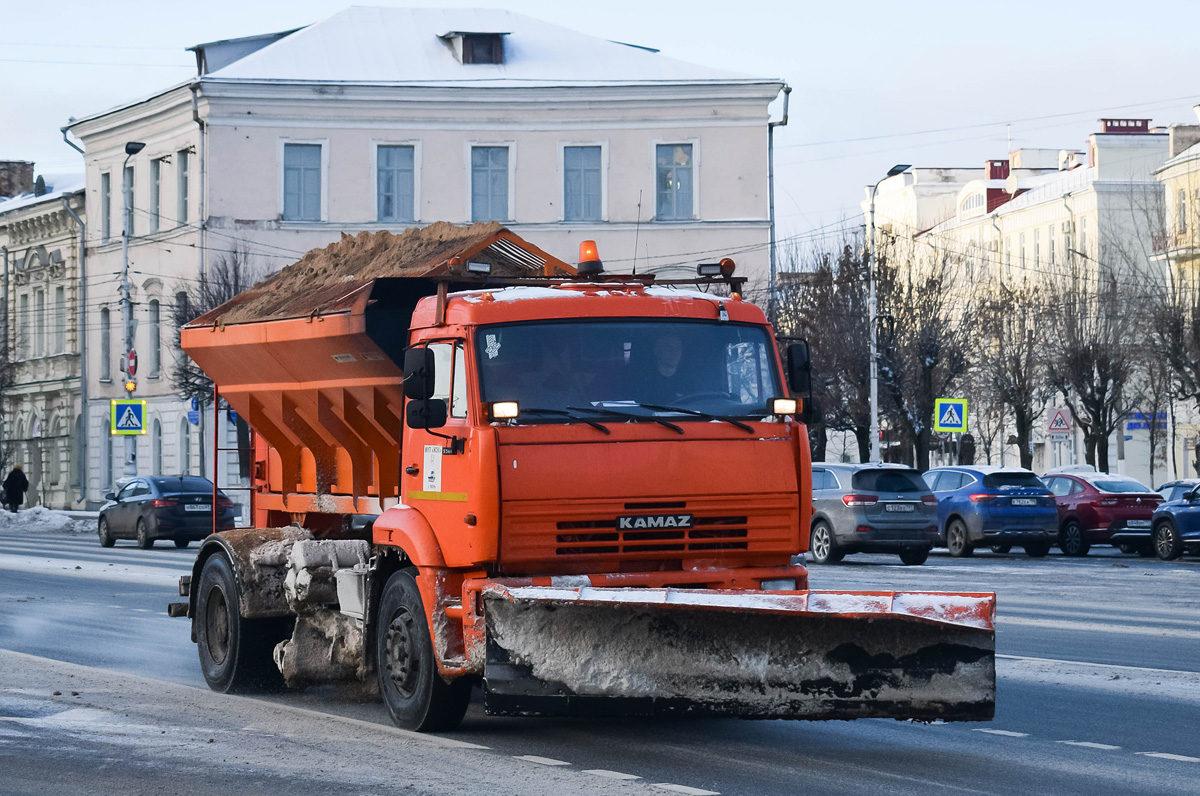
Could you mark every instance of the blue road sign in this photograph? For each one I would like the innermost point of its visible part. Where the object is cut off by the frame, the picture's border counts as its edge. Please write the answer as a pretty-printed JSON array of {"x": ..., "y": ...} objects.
[
  {"x": 950, "y": 415},
  {"x": 127, "y": 417}
]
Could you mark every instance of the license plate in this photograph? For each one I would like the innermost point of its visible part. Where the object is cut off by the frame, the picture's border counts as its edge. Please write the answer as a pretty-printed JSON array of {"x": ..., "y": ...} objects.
[
  {"x": 1024, "y": 501},
  {"x": 198, "y": 507},
  {"x": 1138, "y": 523},
  {"x": 899, "y": 507}
]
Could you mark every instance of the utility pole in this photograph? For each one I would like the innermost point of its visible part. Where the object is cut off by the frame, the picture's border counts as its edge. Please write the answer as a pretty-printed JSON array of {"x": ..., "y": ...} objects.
[
  {"x": 131, "y": 149},
  {"x": 873, "y": 322}
]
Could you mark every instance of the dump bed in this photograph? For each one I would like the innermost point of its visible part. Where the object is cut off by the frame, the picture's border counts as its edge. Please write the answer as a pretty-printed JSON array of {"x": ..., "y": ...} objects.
[{"x": 312, "y": 357}]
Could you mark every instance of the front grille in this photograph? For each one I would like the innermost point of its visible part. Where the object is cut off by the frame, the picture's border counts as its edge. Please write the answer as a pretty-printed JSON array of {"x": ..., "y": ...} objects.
[{"x": 706, "y": 534}]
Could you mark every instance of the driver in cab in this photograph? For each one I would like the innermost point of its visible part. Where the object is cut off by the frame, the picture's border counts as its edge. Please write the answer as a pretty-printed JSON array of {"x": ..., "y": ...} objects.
[{"x": 664, "y": 382}]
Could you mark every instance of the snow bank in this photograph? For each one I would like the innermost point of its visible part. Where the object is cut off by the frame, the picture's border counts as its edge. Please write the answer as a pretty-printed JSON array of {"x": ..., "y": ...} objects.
[{"x": 40, "y": 519}]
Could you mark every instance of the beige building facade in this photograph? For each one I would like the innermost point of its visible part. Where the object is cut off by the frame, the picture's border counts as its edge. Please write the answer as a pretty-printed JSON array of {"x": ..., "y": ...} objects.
[{"x": 386, "y": 118}]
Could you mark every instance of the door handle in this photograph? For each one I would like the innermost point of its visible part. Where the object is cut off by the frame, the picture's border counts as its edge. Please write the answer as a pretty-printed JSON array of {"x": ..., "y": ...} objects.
[{"x": 412, "y": 469}]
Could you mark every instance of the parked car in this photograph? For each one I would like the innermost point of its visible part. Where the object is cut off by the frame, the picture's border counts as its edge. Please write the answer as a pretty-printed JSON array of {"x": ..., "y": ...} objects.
[
  {"x": 998, "y": 507},
  {"x": 871, "y": 508},
  {"x": 1176, "y": 522},
  {"x": 1098, "y": 508},
  {"x": 176, "y": 507}
]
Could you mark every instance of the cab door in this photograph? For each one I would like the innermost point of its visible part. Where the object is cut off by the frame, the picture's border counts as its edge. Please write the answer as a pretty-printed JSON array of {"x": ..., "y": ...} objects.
[{"x": 437, "y": 469}]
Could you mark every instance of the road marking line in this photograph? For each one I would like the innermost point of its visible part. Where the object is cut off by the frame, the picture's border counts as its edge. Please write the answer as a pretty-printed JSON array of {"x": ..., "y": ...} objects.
[
  {"x": 603, "y": 772},
  {"x": 1097, "y": 665},
  {"x": 1095, "y": 627},
  {"x": 685, "y": 789},
  {"x": 1091, "y": 745},
  {"x": 1006, "y": 733},
  {"x": 545, "y": 761},
  {"x": 1169, "y": 756}
]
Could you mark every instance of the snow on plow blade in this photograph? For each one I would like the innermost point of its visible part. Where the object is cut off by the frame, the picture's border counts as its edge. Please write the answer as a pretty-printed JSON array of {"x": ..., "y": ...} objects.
[{"x": 800, "y": 655}]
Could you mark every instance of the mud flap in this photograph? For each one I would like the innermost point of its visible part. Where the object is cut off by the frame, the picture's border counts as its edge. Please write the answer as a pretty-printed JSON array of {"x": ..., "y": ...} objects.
[{"x": 804, "y": 655}]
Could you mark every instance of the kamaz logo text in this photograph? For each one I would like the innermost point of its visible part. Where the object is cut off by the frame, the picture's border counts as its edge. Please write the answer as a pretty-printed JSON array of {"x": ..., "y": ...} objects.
[{"x": 654, "y": 521}]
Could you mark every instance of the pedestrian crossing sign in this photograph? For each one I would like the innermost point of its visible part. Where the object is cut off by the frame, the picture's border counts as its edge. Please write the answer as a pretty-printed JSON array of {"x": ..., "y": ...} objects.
[
  {"x": 127, "y": 417},
  {"x": 950, "y": 415}
]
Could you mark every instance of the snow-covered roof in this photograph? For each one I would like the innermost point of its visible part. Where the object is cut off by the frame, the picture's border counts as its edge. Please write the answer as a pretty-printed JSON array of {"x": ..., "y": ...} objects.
[
  {"x": 404, "y": 46},
  {"x": 57, "y": 185}
]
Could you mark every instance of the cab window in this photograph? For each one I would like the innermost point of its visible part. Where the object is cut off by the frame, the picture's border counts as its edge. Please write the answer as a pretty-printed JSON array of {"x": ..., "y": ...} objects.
[{"x": 447, "y": 379}]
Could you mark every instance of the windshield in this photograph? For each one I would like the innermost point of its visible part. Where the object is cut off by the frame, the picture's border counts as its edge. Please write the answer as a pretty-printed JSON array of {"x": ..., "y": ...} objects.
[
  {"x": 889, "y": 481},
  {"x": 1118, "y": 485},
  {"x": 623, "y": 365},
  {"x": 1002, "y": 480}
]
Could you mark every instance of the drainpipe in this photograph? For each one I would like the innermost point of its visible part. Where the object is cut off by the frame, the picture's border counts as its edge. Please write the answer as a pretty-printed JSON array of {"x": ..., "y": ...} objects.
[
  {"x": 83, "y": 360},
  {"x": 71, "y": 143},
  {"x": 6, "y": 353},
  {"x": 200, "y": 249},
  {"x": 787, "y": 91}
]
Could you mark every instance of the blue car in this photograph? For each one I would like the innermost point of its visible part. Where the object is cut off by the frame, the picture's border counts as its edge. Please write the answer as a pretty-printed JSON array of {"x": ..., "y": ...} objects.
[
  {"x": 1176, "y": 521},
  {"x": 996, "y": 507}
]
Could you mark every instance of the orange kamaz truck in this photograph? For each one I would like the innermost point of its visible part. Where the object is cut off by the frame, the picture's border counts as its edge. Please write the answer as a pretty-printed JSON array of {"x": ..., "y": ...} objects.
[{"x": 475, "y": 464}]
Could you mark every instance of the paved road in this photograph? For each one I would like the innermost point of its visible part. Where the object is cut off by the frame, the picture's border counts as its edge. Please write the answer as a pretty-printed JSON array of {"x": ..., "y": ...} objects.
[{"x": 1099, "y": 687}]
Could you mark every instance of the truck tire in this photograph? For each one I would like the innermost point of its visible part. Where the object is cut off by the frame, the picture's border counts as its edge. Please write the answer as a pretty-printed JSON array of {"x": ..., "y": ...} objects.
[
  {"x": 956, "y": 539},
  {"x": 235, "y": 653},
  {"x": 412, "y": 688},
  {"x": 823, "y": 545}
]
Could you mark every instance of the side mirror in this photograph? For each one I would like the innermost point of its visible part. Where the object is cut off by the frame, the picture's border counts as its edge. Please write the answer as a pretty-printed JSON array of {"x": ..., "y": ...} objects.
[
  {"x": 426, "y": 413},
  {"x": 810, "y": 413},
  {"x": 799, "y": 368},
  {"x": 109, "y": 496},
  {"x": 1194, "y": 495},
  {"x": 418, "y": 373}
]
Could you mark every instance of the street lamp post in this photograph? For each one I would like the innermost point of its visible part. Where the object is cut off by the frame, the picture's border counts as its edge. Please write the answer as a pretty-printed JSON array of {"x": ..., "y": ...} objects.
[
  {"x": 131, "y": 149},
  {"x": 873, "y": 322}
]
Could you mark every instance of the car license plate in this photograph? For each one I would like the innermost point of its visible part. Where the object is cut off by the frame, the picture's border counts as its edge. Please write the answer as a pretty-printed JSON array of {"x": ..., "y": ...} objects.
[
  {"x": 899, "y": 507},
  {"x": 198, "y": 507},
  {"x": 1024, "y": 501},
  {"x": 1138, "y": 523}
]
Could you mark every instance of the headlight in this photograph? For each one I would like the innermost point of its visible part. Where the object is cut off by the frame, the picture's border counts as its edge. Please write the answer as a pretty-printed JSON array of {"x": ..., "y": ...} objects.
[{"x": 779, "y": 584}]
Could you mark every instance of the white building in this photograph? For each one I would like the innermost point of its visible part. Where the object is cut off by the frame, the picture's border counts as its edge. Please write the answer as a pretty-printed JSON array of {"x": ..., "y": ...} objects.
[
  {"x": 41, "y": 241},
  {"x": 383, "y": 118}
]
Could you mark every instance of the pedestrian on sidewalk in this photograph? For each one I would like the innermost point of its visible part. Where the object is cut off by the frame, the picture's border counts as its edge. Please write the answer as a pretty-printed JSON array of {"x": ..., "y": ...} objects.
[{"x": 15, "y": 486}]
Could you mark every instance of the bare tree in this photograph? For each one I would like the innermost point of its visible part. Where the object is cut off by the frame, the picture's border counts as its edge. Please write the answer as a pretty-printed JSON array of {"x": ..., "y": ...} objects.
[
  {"x": 823, "y": 298},
  {"x": 927, "y": 329}
]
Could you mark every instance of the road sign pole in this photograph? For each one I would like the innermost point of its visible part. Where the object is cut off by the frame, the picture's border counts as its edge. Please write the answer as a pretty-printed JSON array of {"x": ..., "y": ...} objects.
[{"x": 126, "y": 302}]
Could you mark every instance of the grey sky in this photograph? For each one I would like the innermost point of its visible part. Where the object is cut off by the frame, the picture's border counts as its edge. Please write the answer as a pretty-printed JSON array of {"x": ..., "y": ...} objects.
[{"x": 859, "y": 70}]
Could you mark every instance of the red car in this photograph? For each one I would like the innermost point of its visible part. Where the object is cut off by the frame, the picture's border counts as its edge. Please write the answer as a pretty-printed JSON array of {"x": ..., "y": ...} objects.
[{"x": 1097, "y": 508}]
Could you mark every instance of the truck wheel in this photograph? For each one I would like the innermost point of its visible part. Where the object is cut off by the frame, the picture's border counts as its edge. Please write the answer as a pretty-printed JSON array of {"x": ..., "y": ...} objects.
[
  {"x": 1071, "y": 541},
  {"x": 956, "y": 540},
  {"x": 1037, "y": 549},
  {"x": 823, "y": 546},
  {"x": 106, "y": 538},
  {"x": 415, "y": 694},
  {"x": 235, "y": 653},
  {"x": 1167, "y": 543},
  {"x": 144, "y": 539},
  {"x": 914, "y": 557}
]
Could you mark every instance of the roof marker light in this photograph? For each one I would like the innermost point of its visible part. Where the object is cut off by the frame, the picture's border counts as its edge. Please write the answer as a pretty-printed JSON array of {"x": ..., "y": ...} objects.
[
  {"x": 708, "y": 269},
  {"x": 479, "y": 268},
  {"x": 589, "y": 259}
]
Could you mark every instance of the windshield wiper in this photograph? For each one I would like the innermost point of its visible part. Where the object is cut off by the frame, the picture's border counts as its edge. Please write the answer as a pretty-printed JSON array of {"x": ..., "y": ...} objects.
[
  {"x": 559, "y": 413},
  {"x": 630, "y": 415},
  {"x": 706, "y": 415}
]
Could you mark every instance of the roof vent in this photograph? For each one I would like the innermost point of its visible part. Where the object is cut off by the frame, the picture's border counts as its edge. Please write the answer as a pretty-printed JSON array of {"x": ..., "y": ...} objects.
[{"x": 473, "y": 47}]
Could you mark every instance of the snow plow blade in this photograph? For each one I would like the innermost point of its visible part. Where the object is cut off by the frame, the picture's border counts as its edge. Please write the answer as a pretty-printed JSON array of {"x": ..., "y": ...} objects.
[{"x": 798, "y": 655}]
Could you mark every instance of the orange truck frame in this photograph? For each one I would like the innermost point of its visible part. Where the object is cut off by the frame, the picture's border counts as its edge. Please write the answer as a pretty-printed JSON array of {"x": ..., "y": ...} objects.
[{"x": 420, "y": 528}]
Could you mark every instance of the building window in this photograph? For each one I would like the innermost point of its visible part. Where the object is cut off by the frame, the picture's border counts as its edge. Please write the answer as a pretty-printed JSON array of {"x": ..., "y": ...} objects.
[
  {"x": 155, "y": 180},
  {"x": 1083, "y": 246},
  {"x": 1181, "y": 213},
  {"x": 675, "y": 182},
  {"x": 395, "y": 181},
  {"x": 105, "y": 346},
  {"x": 1037, "y": 249},
  {"x": 155, "y": 335},
  {"x": 181, "y": 177},
  {"x": 489, "y": 183},
  {"x": 60, "y": 320},
  {"x": 39, "y": 323},
  {"x": 128, "y": 201},
  {"x": 1021, "y": 254},
  {"x": 582, "y": 194},
  {"x": 185, "y": 447},
  {"x": 105, "y": 207},
  {"x": 23, "y": 333},
  {"x": 302, "y": 182},
  {"x": 1050, "y": 244},
  {"x": 1008, "y": 256},
  {"x": 156, "y": 448},
  {"x": 483, "y": 48}
]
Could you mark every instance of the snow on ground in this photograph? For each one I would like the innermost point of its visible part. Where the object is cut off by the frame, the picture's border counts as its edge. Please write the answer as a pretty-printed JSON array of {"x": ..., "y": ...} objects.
[{"x": 40, "y": 519}]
